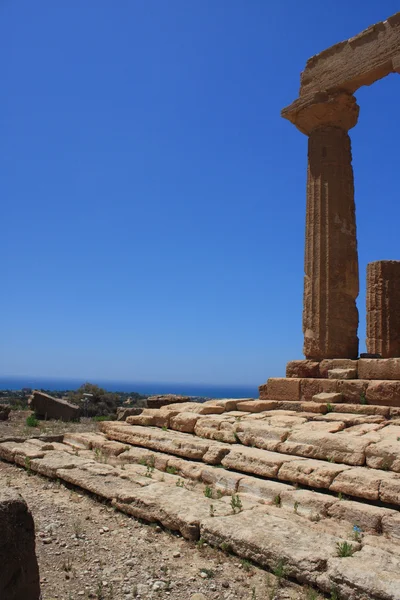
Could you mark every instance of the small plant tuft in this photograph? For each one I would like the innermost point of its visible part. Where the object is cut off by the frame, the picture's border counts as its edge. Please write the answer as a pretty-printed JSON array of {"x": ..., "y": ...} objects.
[
  {"x": 225, "y": 547},
  {"x": 236, "y": 503},
  {"x": 330, "y": 408},
  {"x": 208, "y": 492},
  {"x": 363, "y": 398},
  {"x": 172, "y": 470},
  {"x": 344, "y": 549},
  {"x": 246, "y": 565},
  {"x": 277, "y": 500},
  {"x": 32, "y": 421},
  {"x": 280, "y": 570}
]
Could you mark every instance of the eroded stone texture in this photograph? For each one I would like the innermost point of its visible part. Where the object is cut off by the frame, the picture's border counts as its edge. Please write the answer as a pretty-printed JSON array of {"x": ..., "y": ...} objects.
[
  {"x": 361, "y": 60},
  {"x": 383, "y": 308},
  {"x": 19, "y": 572},
  {"x": 330, "y": 315}
]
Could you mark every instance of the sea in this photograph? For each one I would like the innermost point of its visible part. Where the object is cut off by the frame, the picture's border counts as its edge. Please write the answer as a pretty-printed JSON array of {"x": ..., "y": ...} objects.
[{"x": 148, "y": 388}]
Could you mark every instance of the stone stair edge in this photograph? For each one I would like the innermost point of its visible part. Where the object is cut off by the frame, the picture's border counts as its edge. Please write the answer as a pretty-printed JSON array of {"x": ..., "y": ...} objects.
[{"x": 308, "y": 547}]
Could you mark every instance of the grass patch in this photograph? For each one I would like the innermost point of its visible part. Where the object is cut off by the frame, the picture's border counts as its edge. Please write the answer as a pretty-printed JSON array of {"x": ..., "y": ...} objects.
[{"x": 32, "y": 421}]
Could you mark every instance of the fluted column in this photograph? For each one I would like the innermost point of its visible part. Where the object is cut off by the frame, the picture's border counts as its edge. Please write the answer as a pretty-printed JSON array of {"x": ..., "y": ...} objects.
[
  {"x": 383, "y": 308},
  {"x": 330, "y": 315}
]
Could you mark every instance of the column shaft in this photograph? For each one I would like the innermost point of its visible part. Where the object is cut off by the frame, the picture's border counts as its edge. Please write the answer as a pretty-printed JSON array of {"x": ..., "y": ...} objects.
[
  {"x": 383, "y": 308},
  {"x": 330, "y": 315}
]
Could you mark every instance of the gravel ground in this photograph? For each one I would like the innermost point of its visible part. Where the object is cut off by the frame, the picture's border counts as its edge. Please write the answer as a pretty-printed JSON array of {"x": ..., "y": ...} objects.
[
  {"x": 16, "y": 426},
  {"x": 88, "y": 550}
]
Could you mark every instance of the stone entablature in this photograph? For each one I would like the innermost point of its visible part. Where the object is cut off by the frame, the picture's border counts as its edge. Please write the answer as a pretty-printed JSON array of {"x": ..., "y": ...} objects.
[{"x": 346, "y": 66}]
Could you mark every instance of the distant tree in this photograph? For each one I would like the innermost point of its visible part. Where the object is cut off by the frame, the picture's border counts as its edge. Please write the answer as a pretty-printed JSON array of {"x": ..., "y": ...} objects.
[{"x": 94, "y": 401}]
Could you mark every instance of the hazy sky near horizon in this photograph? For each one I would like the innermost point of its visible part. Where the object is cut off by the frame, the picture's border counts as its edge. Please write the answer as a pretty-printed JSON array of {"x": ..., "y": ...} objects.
[{"x": 153, "y": 199}]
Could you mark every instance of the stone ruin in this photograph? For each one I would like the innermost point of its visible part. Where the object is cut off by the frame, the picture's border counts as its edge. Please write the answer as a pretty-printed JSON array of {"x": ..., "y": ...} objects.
[
  {"x": 305, "y": 479},
  {"x": 325, "y": 111}
]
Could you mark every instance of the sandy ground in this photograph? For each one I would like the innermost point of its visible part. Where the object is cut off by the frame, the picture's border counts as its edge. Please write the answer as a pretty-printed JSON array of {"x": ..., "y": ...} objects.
[{"x": 88, "y": 550}]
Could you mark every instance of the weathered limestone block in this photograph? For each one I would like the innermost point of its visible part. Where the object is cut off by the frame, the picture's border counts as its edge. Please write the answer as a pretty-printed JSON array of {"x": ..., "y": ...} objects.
[
  {"x": 313, "y": 473},
  {"x": 167, "y": 399},
  {"x": 306, "y": 502},
  {"x": 337, "y": 363},
  {"x": 342, "y": 374},
  {"x": 383, "y": 392},
  {"x": 330, "y": 398},
  {"x": 370, "y": 573},
  {"x": 348, "y": 65},
  {"x": 263, "y": 391},
  {"x": 260, "y": 434},
  {"x": 267, "y": 490},
  {"x": 47, "y": 407},
  {"x": 379, "y": 368},
  {"x": 267, "y": 539},
  {"x": 391, "y": 525},
  {"x": 369, "y": 518},
  {"x": 176, "y": 508},
  {"x": 358, "y": 481},
  {"x": 150, "y": 416},
  {"x": 253, "y": 460},
  {"x": 383, "y": 308},
  {"x": 255, "y": 406},
  {"x": 123, "y": 413},
  {"x": 19, "y": 572},
  {"x": 302, "y": 368},
  {"x": 311, "y": 387},
  {"x": 184, "y": 422},
  {"x": 352, "y": 390},
  {"x": 280, "y": 388},
  {"x": 338, "y": 447}
]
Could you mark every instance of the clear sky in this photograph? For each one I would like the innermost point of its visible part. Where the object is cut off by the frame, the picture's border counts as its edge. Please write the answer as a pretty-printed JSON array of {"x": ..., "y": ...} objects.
[{"x": 153, "y": 199}]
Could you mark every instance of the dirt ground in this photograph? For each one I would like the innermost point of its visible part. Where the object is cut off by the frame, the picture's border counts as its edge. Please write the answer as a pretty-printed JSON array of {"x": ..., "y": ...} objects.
[
  {"x": 16, "y": 426},
  {"x": 88, "y": 550}
]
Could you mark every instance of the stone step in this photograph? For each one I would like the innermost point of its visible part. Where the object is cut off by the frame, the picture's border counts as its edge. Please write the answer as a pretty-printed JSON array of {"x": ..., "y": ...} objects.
[
  {"x": 357, "y": 481},
  {"x": 345, "y": 438},
  {"x": 379, "y": 392},
  {"x": 284, "y": 535},
  {"x": 227, "y": 482}
]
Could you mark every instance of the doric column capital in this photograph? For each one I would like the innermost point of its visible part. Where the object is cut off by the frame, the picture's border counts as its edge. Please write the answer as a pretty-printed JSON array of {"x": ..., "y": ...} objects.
[{"x": 324, "y": 110}]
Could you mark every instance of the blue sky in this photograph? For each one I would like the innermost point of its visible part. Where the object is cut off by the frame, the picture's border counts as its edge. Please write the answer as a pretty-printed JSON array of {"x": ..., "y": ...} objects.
[{"x": 154, "y": 199}]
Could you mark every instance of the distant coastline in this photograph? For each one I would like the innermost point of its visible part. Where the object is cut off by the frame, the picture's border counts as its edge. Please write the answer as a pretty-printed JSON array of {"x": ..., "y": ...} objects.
[{"x": 186, "y": 389}]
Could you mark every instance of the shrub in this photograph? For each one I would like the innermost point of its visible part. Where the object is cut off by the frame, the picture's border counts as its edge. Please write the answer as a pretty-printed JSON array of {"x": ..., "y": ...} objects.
[{"x": 32, "y": 421}]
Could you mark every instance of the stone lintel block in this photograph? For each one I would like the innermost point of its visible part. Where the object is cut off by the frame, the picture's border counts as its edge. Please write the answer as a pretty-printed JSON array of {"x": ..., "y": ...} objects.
[
  {"x": 333, "y": 398},
  {"x": 379, "y": 368},
  {"x": 336, "y": 363},
  {"x": 312, "y": 387},
  {"x": 386, "y": 392},
  {"x": 302, "y": 368},
  {"x": 342, "y": 374},
  {"x": 352, "y": 390},
  {"x": 280, "y": 388}
]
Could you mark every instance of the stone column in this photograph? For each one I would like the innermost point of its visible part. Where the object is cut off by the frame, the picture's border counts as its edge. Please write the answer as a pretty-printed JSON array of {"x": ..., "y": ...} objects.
[
  {"x": 330, "y": 315},
  {"x": 383, "y": 308}
]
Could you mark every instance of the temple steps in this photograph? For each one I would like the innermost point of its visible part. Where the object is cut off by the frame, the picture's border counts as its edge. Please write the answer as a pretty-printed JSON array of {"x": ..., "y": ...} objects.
[
  {"x": 275, "y": 486},
  {"x": 268, "y": 522}
]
